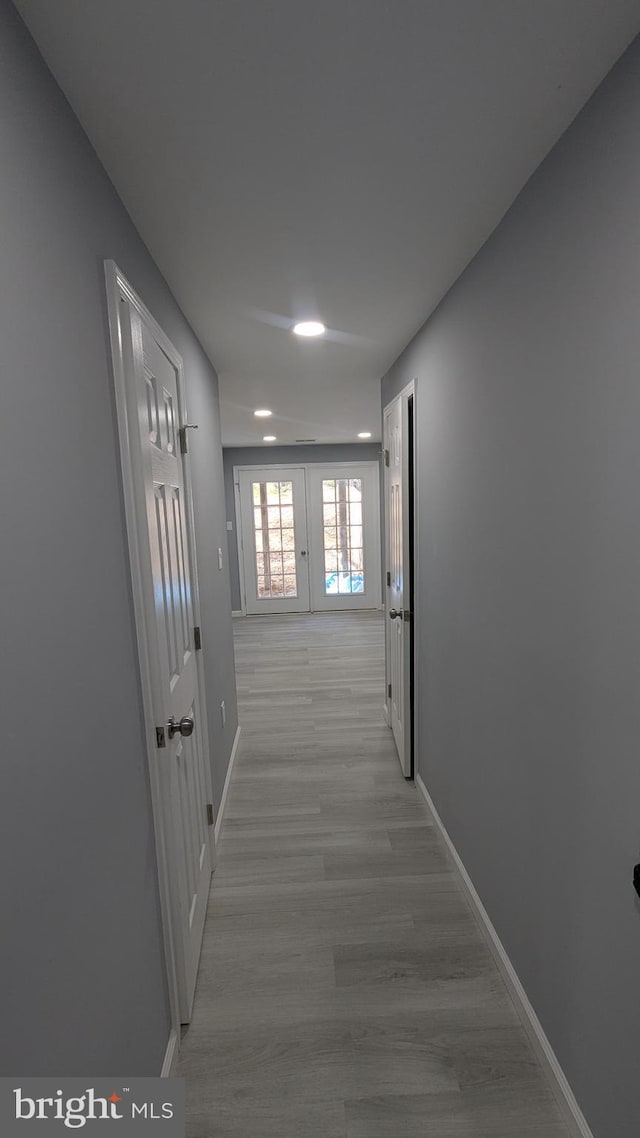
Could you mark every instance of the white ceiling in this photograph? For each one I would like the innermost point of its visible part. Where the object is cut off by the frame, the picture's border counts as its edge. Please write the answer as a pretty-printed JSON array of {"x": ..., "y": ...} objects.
[{"x": 340, "y": 159}]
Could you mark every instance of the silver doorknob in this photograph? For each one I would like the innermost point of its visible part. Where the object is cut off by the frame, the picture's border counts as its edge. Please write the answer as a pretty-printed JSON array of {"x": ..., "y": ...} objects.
[
  {"x": 184, "y": 727},
  {"x": 395, "y": 613}
]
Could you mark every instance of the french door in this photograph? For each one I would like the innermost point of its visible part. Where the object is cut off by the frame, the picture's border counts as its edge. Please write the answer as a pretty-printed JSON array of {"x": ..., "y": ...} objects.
[
  {"x": 310, "y": 537},
  {"x": 344, "y": 514},
  {"x": 274, "y": 539}
]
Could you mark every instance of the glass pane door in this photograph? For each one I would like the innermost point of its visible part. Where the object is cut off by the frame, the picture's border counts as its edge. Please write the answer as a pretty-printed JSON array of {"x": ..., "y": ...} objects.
[
  {"x": 274, "y": 539},
  {"x": 344, "y": 513}
]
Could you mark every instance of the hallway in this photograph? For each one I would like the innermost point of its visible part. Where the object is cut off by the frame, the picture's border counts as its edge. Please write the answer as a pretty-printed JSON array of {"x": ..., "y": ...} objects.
[{"x": 345, "y": 990}]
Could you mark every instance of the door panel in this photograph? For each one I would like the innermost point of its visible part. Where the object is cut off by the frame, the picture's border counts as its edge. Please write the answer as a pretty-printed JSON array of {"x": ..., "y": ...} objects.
[
  {"x": 344, "y": 512},
  {"x": 274, "y": 540},
  {"x": 398, "y": 615},
  {"x": 181, "y": 761}
]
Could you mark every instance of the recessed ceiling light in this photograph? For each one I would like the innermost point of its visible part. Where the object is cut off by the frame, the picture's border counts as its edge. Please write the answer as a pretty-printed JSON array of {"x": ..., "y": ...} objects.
[
  {"x": 309, "y": 328},
  {"x": 268, "y": 438},
  {"x": 364, "y": 434},
  {"x": 262, "y": 413}
]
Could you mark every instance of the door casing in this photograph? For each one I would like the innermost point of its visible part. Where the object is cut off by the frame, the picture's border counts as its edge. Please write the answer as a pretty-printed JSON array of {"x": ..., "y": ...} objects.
[{"x": 118, "y": 289}]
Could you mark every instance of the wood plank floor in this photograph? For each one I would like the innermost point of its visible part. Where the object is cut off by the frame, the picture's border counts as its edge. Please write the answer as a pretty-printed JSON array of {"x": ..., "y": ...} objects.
[{"x": 345, "y": 990}]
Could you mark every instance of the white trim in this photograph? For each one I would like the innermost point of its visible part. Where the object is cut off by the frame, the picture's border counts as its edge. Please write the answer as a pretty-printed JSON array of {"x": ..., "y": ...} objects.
[
  {"x": 237, "y": 612},
  {"x": 170, "y": 1054},
  {"x": 239, "y": 550},
  {"x": 304, "y": 465},
  {"x": 573, "y": 1116},
  {"x": 227, "y": 782},
  {"x": 385, "y": 712}
]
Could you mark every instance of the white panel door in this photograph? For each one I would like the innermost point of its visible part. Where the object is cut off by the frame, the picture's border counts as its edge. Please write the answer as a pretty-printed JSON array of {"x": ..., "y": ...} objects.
[
  {"x": 344, "y": 535},
  {"x": 398, "y": 629},
  {"x": 275, "y": 549},
  {"x": 181, "y": 760}
]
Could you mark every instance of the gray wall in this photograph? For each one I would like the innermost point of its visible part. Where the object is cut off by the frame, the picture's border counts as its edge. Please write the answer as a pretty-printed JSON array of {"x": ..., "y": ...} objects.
[
  {"x": 267, "y": 456},
  {"x": 83, "y": 983},
  {"x": 528, "y": 419}
]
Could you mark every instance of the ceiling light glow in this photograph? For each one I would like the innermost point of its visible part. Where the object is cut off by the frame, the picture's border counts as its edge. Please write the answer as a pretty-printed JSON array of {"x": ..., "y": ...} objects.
[
  {"x": 364, "y": 434},
  {"x": 309, "y": 328},
  {"x": 262, "y": 413},
  {"x": 268, "y": 438}
]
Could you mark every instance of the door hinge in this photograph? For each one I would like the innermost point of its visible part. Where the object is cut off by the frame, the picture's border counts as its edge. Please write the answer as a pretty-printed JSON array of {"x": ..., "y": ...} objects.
[
  {"x": 388, "y": 578},
  {"x": 197, "y": 638},
  {"x": 389, "y": 690},
  {"x": 209, "y": 814},
  {"x": 182, "y": 435},
  {"x": 386, "y": 457},
  {"x": 160, "y": 737}
]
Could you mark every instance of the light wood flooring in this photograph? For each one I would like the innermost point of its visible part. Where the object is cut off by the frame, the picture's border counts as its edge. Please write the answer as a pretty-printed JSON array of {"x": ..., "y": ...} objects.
[{"x": 345, "y": 990}]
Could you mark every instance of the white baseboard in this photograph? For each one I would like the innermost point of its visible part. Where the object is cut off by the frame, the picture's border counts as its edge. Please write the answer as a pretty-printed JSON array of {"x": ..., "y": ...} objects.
[
  {"x": 237, "y": 612},
  {"x": 170, "y": 1054},
  {"x": 385, "y": 712},
  {"x": 573, "y": 1116},
  {"x": 225, "y": 790}
]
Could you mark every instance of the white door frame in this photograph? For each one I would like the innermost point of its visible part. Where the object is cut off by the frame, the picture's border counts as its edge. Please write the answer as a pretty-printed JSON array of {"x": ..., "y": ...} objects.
[
  {"x": 295, "y": 466},
  {"x": 410, "y": 568},
  {"x": 119, "y": 289}
]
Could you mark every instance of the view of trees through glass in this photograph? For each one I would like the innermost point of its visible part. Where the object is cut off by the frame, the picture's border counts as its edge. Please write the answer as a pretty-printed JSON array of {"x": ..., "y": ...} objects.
[
  {"x": 274, "y": 538},
  {"x": 343, "y": 535}
]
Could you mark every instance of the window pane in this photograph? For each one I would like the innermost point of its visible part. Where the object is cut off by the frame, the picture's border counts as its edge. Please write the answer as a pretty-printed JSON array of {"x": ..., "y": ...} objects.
[
  {"x": 330, "y": 561},
  {"x": 273, "y": 493},
  {"x": 286, "y": 492},
  {"x": 290, "y": 585},
  {"x": 355, "y": 513},
  {"x": 289, "y": 563}
]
